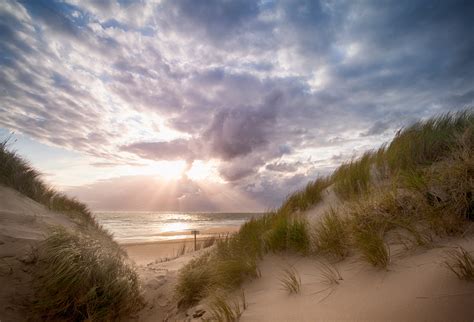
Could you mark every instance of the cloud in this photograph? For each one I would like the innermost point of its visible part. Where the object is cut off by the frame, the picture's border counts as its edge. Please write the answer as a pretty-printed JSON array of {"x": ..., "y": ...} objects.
[
  {"x": 283, "y": 167},
  {"x": 258, "y": 87},
  {"x": 155, "y": 194},
  {"x": 173, "y": 150}
]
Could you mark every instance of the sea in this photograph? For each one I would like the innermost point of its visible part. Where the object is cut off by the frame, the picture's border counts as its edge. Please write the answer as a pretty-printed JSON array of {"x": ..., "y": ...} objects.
[{"x": 141, "y": 227}]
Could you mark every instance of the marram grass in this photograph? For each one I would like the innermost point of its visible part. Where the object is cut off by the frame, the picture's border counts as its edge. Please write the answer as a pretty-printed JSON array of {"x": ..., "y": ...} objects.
[
  {"x": 461, "y": 263},
  {"x": 80, "y": 279}
]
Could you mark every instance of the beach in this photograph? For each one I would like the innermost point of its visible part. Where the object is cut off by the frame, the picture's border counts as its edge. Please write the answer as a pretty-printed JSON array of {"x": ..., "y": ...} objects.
[{"x": 148, "y": 252}]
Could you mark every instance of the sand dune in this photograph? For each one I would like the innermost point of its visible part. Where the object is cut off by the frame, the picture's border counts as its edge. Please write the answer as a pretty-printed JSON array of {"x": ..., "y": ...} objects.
[
  {"x": 415, "y": 288},
  {"x": 23, "y": 223}
]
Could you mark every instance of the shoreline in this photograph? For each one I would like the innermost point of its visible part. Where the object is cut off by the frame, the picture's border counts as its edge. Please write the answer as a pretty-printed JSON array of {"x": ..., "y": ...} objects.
[{"x": 146, "y": 252}]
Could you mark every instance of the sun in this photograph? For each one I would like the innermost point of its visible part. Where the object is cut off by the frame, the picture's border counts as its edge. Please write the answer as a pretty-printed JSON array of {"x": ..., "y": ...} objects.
[
  {"x": 167, "y": 170},
  {"x": 201, "y": 170}
]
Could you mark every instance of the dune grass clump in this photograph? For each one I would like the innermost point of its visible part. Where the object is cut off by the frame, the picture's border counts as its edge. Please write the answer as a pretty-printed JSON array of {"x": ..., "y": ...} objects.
[
  {"x": 290, "y": 280},
  {"x": 369, "y": 240},
  {"x": 289, "y": 233},
  {"x": 78, "y": 279},
  {"x": 17, "y": 173},
  {"x": 303, "y": 199},
  {"x": 224, "y": 267},
  {"x": 353, "y": 178},
  {"x": 329, "y": 273},
  {"x": 461, "y": 263},
  {"x": 332, "y": 236},
  {"x": 225, "y": 308},
  {"x": 428, "y": 141},
  {"x": 194, "y": 281}
]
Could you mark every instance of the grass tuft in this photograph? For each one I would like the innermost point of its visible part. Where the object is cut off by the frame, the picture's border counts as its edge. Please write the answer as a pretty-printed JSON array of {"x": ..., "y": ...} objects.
[
  {"x": 329, "y": 273},
  {"x": 332, "y": 236},
  {"x": 289, "y": 233},
  {"x": 353, "y": 178},
  {"x": 370, "y": 242},
  {"x": 290, "y": 280},
  {"x": 80, "y": 279},
  {"x": 461, "y": 263},
  {"x": 226, "y": 309}
]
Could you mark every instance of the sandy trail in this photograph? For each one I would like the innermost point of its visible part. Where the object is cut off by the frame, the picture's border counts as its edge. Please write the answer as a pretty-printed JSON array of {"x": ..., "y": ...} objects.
[{"x": 157, "y": 265}]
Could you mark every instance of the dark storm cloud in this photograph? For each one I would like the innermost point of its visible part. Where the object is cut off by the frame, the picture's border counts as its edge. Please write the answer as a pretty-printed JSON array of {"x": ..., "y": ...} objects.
[{"x": 248, "y": 83}]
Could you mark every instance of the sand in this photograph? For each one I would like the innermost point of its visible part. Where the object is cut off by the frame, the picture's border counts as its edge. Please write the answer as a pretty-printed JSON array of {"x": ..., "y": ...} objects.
[
  {"x": 158, "y": 265},
  {"x": 23, "y": 223},
  {"x": 144, "y": 253},
  {"x": 415, "y": 288}
]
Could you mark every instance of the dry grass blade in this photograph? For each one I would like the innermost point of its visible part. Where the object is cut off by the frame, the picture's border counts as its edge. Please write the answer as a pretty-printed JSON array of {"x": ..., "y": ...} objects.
[
  {"x": 225, "y": 309},
  {"x": 329, "y": 273},
  {"x": 461, "y": 263},
  {"x": 290, "y": 280}
]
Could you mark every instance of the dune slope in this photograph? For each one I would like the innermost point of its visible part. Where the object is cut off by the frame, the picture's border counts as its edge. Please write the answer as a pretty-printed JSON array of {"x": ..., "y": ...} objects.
[{"x": 23, "y": 224}]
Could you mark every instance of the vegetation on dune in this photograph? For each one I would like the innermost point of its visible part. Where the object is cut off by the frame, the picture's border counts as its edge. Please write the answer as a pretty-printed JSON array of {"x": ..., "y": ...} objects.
[
  {"x": 226, "y": 308},
  {"x": 329, "y": 273},
  {"x": 79, "y": 278},
  {"x": 17, "y": 173},
  {"x": 420, "y": 184},
  {"x": 353, "y": 178},
  {"x": 78, "y": 275},
  {"x": 461, "y": 263},
  {"x": 290, "y": 280},
  {"x": 331, "y": 235}
]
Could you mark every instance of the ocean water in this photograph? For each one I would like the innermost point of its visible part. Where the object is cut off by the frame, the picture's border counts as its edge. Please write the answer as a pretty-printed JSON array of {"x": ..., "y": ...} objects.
[{"x": 135, "y": 227}]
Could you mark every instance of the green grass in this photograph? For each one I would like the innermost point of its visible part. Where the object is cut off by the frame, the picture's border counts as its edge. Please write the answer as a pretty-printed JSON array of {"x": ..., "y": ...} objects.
[
  {"x": 461, "y": 263},
  {"x": 332, "y": 236},
  {"x": 17, "y": 173},
  {"x": 290, "y": 280},
  {"x": 428, "y": 141},
  {"x": 370, "y": 242},
  {"x": 80, "y": 279},
  {"x": 352, "y": 179},
  {"x": 305, "y": 198},
  {"x": 289, "y": 233}
]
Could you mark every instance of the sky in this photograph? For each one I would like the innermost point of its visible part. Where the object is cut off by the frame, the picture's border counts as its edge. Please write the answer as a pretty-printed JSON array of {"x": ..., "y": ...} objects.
[{"x": 191, "y": 105}]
